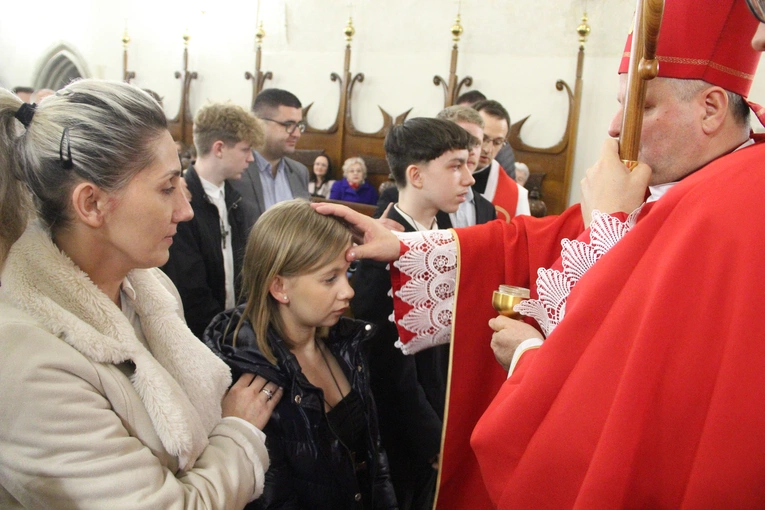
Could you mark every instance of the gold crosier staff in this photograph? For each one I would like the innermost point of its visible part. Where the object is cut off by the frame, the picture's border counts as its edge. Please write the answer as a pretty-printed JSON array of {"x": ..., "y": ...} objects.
[{"x": 643, "y": 67}]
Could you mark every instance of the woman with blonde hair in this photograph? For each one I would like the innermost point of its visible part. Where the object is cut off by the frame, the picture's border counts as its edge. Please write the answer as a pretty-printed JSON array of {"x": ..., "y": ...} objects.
[
  {"x": 323, "y": 438},
  {"x": 108, "y": 400},
  {"x": 353, "y": 187}
]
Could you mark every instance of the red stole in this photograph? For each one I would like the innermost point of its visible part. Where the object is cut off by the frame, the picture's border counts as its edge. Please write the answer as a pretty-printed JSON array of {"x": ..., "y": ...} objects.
[{"x": 505, "y": 197}]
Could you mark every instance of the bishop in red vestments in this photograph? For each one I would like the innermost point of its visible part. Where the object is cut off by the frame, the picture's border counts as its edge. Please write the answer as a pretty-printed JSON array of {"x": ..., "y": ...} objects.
[{"x": 647, "y": 392}]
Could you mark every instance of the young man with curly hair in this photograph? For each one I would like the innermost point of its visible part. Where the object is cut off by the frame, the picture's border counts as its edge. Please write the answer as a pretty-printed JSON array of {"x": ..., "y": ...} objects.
[{"x": 206, "y": 255}]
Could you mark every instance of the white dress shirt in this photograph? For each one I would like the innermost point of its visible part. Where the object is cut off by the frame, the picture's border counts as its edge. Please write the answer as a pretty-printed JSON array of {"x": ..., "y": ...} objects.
[{"x": 217, "y": 196}]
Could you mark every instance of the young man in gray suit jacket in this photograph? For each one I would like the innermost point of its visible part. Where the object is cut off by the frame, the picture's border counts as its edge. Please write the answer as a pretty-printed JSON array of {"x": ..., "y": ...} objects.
[{"x": 273, "y": 177}]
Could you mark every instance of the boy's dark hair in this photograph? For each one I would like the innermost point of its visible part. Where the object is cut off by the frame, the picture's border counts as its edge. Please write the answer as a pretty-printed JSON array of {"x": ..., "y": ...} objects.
[
  {"x": 271, "y": 99},
  {"x": 493, "y": 108},
  {"x": 421, "y": 140},
  {"x": 470, "y": 98}
]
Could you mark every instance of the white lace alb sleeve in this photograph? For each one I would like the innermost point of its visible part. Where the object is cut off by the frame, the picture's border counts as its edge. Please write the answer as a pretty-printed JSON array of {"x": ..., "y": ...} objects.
[
  {"x": 554, "y": 286},
  {"x": 431, "y": 265}
]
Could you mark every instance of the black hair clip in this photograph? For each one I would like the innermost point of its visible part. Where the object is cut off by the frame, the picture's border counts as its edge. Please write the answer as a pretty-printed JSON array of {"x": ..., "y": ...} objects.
[
  {"x": 67, "y": 163},
  {"x": 25, "y": 113}
]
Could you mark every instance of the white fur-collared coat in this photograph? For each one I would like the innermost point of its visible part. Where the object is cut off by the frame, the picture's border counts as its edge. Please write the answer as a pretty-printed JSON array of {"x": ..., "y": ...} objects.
[{"x": 91, "y": 418}]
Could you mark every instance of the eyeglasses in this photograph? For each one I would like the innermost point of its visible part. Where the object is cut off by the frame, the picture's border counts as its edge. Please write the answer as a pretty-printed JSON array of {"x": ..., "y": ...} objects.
[
  {"x": 758, "y": 9},
  {"x": 290, "y": 125},
  {"x": 497, "y": 142}
]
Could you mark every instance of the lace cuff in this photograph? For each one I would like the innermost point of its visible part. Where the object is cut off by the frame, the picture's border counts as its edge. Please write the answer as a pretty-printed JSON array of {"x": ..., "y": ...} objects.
[
  {"x": 554, "y": 286},
  {"x": 424, "y": 279}
]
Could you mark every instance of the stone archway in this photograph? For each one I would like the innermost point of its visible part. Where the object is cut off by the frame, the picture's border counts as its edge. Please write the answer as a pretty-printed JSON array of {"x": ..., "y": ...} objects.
[{"x": 59, "y": 67}]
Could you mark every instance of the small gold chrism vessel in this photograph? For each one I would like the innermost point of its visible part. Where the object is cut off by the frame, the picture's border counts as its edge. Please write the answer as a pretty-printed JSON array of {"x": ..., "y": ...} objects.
[{"x": 504, "y": 299}]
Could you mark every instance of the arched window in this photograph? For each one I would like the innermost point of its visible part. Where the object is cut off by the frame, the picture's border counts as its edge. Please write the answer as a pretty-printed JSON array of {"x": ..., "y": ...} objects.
[{"x": 60, "y": 66}]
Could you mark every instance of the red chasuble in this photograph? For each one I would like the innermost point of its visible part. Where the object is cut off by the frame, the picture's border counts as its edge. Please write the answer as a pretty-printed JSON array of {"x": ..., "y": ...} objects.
[
  {"x": 651, "y": 391},
  {"x": 506, "y": 253}
]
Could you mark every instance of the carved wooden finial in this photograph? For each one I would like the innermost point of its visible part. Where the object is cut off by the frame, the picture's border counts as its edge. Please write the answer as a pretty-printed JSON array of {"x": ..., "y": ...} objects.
[
  {"x": 260, "y": 34},
  {"x": 349, "y": 30},
  {"x": 457, "y": 30},
  {"x": 583, "y": 30}
]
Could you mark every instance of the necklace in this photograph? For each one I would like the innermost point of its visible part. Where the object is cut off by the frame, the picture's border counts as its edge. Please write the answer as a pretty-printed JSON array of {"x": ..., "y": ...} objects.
[
  {"x": 321, "y": 350},
  {"x": 223, "y": 233},
  {"x": 433, "y": 224}
]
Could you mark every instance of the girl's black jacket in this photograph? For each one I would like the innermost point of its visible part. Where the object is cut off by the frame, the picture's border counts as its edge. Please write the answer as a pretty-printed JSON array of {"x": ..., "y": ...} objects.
[{"x": 310, "y": 467}]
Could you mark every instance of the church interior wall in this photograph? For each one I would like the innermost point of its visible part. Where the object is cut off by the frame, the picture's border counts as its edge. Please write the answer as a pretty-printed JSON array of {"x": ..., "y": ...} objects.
[{"x": 514, "y": 50}]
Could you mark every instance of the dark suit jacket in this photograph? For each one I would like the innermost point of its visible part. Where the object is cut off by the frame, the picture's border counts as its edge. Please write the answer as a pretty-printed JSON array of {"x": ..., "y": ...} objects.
[
  {"x": 409, "y": 390},
  {"x": 196, "y": 260},
  {"x": 251, "y": 189},
  {"x": 484, "y": 210}
]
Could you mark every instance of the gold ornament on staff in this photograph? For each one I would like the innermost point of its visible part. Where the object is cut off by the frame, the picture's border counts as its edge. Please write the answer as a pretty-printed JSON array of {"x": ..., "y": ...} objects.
[
  {"x": 456, "y": 30},
  {"x": 181, "y": 126},
  {"x": 643, "y": 67},
  {"x": 333, "y": 139},
  {"x": 451, "y": 86},
  {"x": 583, "y": 30},
  {"x": 349, "y": 30},
  {"x": 258, "y": 78},
  {"x": 126, "y": 75}
]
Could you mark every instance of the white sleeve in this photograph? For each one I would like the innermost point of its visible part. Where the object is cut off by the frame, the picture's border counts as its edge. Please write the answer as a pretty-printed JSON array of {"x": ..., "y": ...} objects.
[
  {"x": 523, "y": 206},
  {"x": 577, "y": 257},
  {"x": 431, "y": 266},
  {"x": 526, "y": 345}
]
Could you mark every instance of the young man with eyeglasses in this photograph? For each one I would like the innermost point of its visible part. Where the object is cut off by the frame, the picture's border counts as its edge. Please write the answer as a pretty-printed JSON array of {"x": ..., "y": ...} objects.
[
  {"x": 491, "y": 180},
  {"x": 505, "y": 156},
  {"x": 273, "y": 177}
]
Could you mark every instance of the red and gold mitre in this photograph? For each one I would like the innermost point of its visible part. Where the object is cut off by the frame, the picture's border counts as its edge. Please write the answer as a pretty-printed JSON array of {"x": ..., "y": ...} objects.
[{"x": 706, "y": 40}]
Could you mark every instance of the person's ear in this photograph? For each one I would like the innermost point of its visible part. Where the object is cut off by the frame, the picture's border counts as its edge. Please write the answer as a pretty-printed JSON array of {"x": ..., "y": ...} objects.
[
  {"x": 217, "y": 148},
  {"x": 90, "y": 204},
  {"x": 715, "y": 104},
  {"x": 414, "y": 176},
  {"x": 278, "y": 289}
]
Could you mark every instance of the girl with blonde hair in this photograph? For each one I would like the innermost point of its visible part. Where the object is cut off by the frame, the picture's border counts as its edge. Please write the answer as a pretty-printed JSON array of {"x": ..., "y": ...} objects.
[{"x": 323, "y": 438}]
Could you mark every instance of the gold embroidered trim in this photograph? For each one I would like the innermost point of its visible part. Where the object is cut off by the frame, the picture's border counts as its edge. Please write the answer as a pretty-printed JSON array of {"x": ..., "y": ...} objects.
[{"x": 700, "y": 62}]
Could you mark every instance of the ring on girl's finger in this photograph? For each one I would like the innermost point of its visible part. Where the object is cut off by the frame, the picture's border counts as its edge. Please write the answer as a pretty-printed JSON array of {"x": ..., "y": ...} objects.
[{"x": 269, "y": 393}]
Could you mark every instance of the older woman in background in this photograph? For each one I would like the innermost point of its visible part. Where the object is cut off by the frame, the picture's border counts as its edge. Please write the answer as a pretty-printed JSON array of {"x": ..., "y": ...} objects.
[
  {"x": 108, "y": 400},
  {"x": 354, "y": 187}
]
